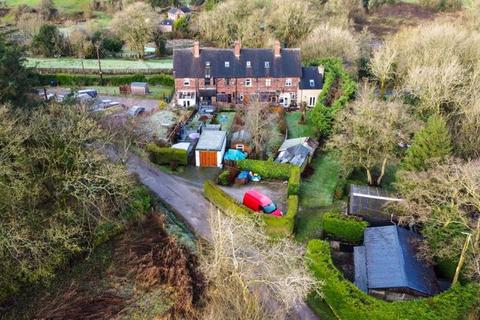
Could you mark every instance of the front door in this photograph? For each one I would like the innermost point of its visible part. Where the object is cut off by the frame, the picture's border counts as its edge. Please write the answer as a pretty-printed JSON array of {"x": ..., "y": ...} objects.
[{"x": 208, "y": 158}]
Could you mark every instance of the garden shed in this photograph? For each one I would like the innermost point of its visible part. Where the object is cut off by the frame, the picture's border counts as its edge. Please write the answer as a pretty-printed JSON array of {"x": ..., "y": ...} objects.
[
  {"x": 297, "y": 151},
  {"x": 387, "y": 266},
  {"x": 210, "y": 148},
  {"x": 140, "y": 88},
  {"x": 241, "y": 140},
  {"x": 370, "y": 203}
]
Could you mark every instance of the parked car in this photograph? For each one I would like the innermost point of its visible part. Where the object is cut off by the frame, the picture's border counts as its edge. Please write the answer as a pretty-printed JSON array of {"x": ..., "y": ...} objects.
[
  {"x": 91, "y": 92},
  {"x": 259, "y": 202},
  {"x": 135, "y": 111}
]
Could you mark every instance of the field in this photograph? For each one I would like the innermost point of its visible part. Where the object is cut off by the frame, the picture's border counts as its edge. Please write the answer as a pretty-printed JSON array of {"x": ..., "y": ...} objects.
[
  {"x": 67, "y": 6},
  {"x": 107, "y": 64}
]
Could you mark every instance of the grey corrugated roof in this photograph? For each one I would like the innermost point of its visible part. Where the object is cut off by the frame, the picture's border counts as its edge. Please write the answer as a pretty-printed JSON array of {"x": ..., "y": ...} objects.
[
  {"x": 370, "y": 203},
  {"x": 211, "y": 140},
  {"x": 311, "y": 73},
  {"x": 391, "y": 262},
  {"x": 287, "y": 65}
]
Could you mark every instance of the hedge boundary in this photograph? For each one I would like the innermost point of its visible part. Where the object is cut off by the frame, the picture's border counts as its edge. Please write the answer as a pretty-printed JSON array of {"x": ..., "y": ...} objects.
[
  {"x": 274, "y": 226},
  {"x": 343, "y": 228},
  {"x": 323, "y": 116},
  {"x": 111, "y": 80},
  {"x": 160, "y": 155},
  {"x": 350, "y": 303}
]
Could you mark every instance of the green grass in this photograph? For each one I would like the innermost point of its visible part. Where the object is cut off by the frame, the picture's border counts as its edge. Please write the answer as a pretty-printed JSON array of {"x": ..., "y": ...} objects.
[
  {"x": 317, "y": 190},
  {"x": 116, "y": 64},
  {"x": 67, "y": 6},
  {"x": 156, "y": 92},
  {"x": 296, "y": 130},
  {"x": 228, "y": 116}
]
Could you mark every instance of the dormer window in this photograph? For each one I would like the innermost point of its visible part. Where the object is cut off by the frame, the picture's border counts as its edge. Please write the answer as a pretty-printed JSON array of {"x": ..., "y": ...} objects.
[
  {"x": 207, "y": 64},
  {"x": 267, "y": 64},
  {"x": 312, "y": 83},
  {"x": 249, "y": 64},
  {"x": 227, "y": 64}
]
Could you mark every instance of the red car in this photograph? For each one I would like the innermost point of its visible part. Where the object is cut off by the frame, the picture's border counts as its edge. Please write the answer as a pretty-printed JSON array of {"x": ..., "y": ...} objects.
[{"x": 259, "y": 202}]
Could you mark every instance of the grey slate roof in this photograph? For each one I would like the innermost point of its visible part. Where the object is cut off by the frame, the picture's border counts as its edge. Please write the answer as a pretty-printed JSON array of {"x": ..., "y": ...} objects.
[
  {"x": 241, "y": 136},
  {"x": 211, "y": 140},
  {"x": 389, "y": 257},
  {"x": 296, "y": 151},
  {"x": 287, "y": 65},
  {"x": 311, "y": 73},
  {"x": 166, "y": 22},
  {"x": 370, "y": 203}
]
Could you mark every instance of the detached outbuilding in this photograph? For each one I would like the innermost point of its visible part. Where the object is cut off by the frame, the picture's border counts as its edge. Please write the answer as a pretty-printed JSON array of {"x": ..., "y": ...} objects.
[
  {"x": 387, "y": 266},
  {"x": 241, "y": 140},
  {"x": 210, "y": 148},
  {"x": 139, "y": 88},
  {"x": 370, "y": 203},
  {"x": 297, "y": 151}
]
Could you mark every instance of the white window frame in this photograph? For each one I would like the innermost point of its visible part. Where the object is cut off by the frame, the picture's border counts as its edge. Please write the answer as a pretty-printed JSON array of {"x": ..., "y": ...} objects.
[
  {"x": 268, "y": 82},
  {"x": 288, "y": 82},
  {"x": 241, "y": 97},
  {"x": 312, "y": 83},
  {"x": 248, "y": 82},
  {"x": 267, "y": 64},
  {"x": 312, "y": 101},
  {"x": 227, "y": 64},
  {"x": 186, "y": 82},
  {"x": 249, "y": 64},
  {"x": 293, "y": 96}
]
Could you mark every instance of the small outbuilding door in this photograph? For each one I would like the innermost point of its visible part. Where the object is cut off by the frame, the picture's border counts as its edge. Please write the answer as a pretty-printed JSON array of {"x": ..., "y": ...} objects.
[{"x": 208, "y": 158}]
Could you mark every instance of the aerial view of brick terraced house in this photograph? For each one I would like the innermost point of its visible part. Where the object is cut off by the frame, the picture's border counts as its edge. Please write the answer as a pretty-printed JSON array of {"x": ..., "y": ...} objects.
[{"x": 240, "y": 75}]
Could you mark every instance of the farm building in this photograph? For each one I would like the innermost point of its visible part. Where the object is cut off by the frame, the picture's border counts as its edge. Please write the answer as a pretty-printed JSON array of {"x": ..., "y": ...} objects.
[
  {"x": 140, "y": 88},
  {"x": 210, "y": 148},
  {"x": 241, "y": 140},
  {"x": 370, "y": 204},
  {"x": 387, "y": 266},
  {"x": 297, "y": 151}
]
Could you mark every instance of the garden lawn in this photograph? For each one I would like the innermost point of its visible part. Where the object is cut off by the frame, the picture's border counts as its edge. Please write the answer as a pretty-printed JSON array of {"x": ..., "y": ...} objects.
[
  {"x": 226, "y": 120},
  {"x": 317, "y": 190},
  {"x": 114, "y": 64},
  {"x": 296, "y": 130}
]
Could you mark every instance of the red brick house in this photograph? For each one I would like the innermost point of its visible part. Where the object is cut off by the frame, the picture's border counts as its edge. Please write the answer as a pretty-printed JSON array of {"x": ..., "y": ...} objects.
[{"x": 236, "y": 75}]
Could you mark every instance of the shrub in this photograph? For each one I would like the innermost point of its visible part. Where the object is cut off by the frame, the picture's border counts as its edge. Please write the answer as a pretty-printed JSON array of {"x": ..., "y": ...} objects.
[
  {"x": 276, "y": 226},
  {"x": 224, "y": 178},
  {"x": 90, "y": 80},
  {"x": 294, "y": 181},
  {"x": 343, "y": 228},
  {"x": 348, "y": 302},
  {"x": 267, "y": 169},
  {"x": 160, "y": 155}
]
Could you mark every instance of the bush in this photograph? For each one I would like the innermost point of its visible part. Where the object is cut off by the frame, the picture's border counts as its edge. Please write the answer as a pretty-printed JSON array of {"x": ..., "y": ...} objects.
[
  {"x": 160, "y": 155},
  {"x": 266, "y": 169},
  {"x": 90, "y": 80},
  {"x": 350, "y": 303},
  {"x": 294, "y": 181},
  {"x": 275, "y": 226},
  {"x": 224, "y": 178},
  {"x": 343, "y": 228}
]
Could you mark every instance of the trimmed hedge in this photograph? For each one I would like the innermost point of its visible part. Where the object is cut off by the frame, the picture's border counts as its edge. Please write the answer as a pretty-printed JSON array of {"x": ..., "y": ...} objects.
[
  {"x": 90, "y": 80},
  {"x": 294, "y": 181},
  {"x": 161, "y": 155},
  {"x": 343, "y": 228},
  {"x": 324, "y": 112},
  {"x": 275, "y": 226},
  {"x": 349, "y": 302},
  {"x": 267, "y": 169}
]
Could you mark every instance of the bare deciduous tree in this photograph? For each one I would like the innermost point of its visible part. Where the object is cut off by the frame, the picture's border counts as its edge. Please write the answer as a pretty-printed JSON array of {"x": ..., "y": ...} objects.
[{"x": 251, "y": 276}]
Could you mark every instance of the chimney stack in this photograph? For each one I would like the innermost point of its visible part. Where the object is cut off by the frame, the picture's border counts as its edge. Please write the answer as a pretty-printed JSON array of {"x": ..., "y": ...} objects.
[
  {"x": 277, "y": 49},
  {"x": 196, "y": 49},
  {"x": 237, "y": 48}
]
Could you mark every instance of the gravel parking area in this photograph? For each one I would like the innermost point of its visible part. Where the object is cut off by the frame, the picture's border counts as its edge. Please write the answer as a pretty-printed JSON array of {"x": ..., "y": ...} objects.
[{"x": 275, "y": 190}]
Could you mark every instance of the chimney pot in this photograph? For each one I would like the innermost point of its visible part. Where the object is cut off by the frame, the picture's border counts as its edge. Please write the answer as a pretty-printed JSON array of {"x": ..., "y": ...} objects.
[
  {"x": 196, "y": 49},
  {"x": 277, "y": 49},
  {"x": 237, "y": 48}
]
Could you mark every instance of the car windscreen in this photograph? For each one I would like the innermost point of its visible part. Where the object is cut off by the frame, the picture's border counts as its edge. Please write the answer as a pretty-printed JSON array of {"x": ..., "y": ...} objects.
[{"x": 269, "y": 208}]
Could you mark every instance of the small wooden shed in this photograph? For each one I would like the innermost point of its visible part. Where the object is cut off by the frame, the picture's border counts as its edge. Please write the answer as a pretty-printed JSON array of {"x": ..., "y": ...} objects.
[{"x": 140, "y": 88}]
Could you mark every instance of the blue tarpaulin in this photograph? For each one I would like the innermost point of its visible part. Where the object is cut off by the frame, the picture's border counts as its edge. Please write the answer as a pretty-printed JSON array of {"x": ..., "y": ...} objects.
[{"x": 235, "y": 155}]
